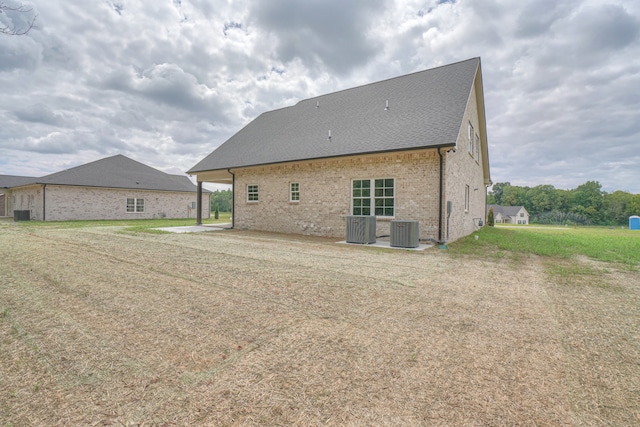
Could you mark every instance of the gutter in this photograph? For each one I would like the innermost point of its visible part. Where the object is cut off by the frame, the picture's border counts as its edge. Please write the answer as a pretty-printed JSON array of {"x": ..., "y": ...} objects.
[{"x": 308, "y": 159}]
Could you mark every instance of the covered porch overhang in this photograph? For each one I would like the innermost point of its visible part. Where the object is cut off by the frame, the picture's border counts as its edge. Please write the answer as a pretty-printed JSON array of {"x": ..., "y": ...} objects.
[{"x": 221, "y": 176}]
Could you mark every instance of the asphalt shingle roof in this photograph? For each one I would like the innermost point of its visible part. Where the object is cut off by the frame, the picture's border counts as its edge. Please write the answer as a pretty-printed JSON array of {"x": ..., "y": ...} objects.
[
  {"x": 425, "y": 110},
  {"x": 8, "y": 181},
  {"x": 504, "y": 210},
  {"x": 118, "y": 172}
]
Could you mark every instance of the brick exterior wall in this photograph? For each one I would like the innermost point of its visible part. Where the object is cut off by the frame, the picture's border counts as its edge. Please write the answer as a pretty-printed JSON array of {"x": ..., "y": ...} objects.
[
  {"x": 92, "y": 203},
  {"x": 26, "y": 199},
  {"x": 325, "y": 190},
  {"x": 325, "y": 193},
  {"x": 462, "y": 169}
]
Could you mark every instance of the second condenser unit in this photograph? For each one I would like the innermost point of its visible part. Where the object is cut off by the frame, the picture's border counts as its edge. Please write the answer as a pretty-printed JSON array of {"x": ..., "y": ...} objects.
[{"x": 405, "y": 234}]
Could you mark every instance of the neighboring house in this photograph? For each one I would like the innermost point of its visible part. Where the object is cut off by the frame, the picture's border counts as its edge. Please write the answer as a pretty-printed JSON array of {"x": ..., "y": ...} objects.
[
  {"x": 403, "y": 148},
  {"x": 509, "y": 214},
  {"x": 6, "y": 182},
  {"x": 116, "y": 187}
]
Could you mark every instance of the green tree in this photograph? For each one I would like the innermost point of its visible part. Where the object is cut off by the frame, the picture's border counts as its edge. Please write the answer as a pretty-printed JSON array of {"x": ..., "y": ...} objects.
[
  {"x": 223, "y": 199},
  {"x": 563, "y": 203},
  {"x": 490, "y": 218},
  {"x": 541, "y": 198},
  {"x": 513, "y": 196},
  {"x": 615, "y": 207},
  {"x": 633, "y": 208},
  {"x": 497, "y": 190},
  {"x": 590, "y": 197}
]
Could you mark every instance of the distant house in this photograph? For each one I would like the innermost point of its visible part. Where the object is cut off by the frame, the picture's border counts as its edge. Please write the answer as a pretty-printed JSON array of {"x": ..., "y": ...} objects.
[
  {"x": 115, "y": 187},
  {"x": 509, "y": 214},
  {"x": 7, "y": 182},
  {"x": 405, "y": 148}
]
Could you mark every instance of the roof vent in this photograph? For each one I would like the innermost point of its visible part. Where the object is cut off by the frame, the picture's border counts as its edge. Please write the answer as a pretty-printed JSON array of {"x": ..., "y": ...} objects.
[
  {"x": 329, "y": 137},
  {"x": 386, "y": 105},
  {"x": 317, "y": 104}
]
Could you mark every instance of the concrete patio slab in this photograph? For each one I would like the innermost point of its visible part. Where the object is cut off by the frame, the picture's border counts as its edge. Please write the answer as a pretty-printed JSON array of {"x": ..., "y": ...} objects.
[
  {"x": 196, "y": 228},
  {"x": 387, "y": 245}
]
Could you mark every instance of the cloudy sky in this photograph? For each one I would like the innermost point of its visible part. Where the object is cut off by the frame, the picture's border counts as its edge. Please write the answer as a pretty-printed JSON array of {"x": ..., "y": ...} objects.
[{"x": 166, "y": 81}]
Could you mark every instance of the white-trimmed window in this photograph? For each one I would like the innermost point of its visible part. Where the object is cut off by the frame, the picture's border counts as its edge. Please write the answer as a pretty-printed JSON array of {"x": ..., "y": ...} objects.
[
  {"x": 135, "y": 205},
  {"x": 373, "y": 196},
  {"x": 252, "y": 193},
  {"x": 466, "y": 198},
  {"x": 471, "y": 134},
  {"x": 477, "y": 147},
  {"x": 294, "y": 192}
]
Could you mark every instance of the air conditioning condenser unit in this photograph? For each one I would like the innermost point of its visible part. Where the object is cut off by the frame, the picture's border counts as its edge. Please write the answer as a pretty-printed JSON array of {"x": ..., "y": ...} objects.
[
  {"x": 405, "y": 234},
  {"x": 361, "y": 229}
]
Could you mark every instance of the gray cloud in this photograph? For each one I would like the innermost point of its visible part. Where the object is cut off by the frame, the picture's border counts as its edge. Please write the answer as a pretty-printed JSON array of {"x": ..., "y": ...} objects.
[
  {"x": 164, "y": 83},
  {"x": 19, "y": 52},
  {"x": 325, "y": 33},
  {"x": 39, "y": 113}
]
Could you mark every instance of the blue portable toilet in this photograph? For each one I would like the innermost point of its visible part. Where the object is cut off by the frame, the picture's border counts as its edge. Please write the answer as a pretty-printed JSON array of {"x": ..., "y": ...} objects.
[{"x": 634, "y": 222}]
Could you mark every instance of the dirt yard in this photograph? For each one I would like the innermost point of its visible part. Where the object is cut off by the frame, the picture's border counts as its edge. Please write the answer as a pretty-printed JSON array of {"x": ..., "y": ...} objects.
[{"x": 104, "y": 327}]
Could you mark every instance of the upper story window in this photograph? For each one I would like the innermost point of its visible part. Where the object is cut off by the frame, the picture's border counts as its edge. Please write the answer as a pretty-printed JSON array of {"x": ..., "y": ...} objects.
[
  {"x": 471, "y": 135},
  {"x": 135, "y": 205},
  {"x": 252, "y": 193},
  {"x": 294, "y": 193},
  {"x": 477, "y": 147},
  {"x": 373, "y": 196}
]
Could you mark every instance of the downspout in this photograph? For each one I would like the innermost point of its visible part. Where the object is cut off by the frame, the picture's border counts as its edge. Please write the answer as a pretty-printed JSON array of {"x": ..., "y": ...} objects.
[
  {"x": 233, "y": 199},
  {"x": 440, "y": 205},
  {"x": 44, "y": 202}
]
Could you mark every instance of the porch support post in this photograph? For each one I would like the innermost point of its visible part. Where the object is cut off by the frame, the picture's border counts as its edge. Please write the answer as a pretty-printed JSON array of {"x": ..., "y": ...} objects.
[{"x": 199, "y": 204}]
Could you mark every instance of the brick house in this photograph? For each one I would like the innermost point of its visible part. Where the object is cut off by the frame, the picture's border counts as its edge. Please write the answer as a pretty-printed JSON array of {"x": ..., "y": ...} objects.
[
  {"x": 115, "y": 187},
  {"x": 509, "y": 214},
  {"x": 407, "y": 148}
]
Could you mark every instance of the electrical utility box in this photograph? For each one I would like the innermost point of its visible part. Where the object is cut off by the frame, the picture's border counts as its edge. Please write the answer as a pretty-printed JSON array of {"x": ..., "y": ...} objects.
[
  {"x": 405, "y": 234},
  {"x": 361, "y": 229}
]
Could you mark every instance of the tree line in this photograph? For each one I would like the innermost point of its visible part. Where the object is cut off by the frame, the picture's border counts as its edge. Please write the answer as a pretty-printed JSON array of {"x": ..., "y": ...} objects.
[{"x": 585, "y": 205}]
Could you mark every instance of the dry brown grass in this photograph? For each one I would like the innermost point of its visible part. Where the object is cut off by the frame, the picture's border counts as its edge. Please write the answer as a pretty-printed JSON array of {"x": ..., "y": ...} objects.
[{"x": 99, "y": 327}]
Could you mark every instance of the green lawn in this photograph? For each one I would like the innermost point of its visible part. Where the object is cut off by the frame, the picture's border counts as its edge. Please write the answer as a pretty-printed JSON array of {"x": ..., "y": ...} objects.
[{"x": 604, "y": 244}]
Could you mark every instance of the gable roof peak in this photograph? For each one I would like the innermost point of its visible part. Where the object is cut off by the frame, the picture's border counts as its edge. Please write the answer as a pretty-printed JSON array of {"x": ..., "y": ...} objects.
[
  {"x": 426, "y": 110},
  {"x": 119, "y": 171}
]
